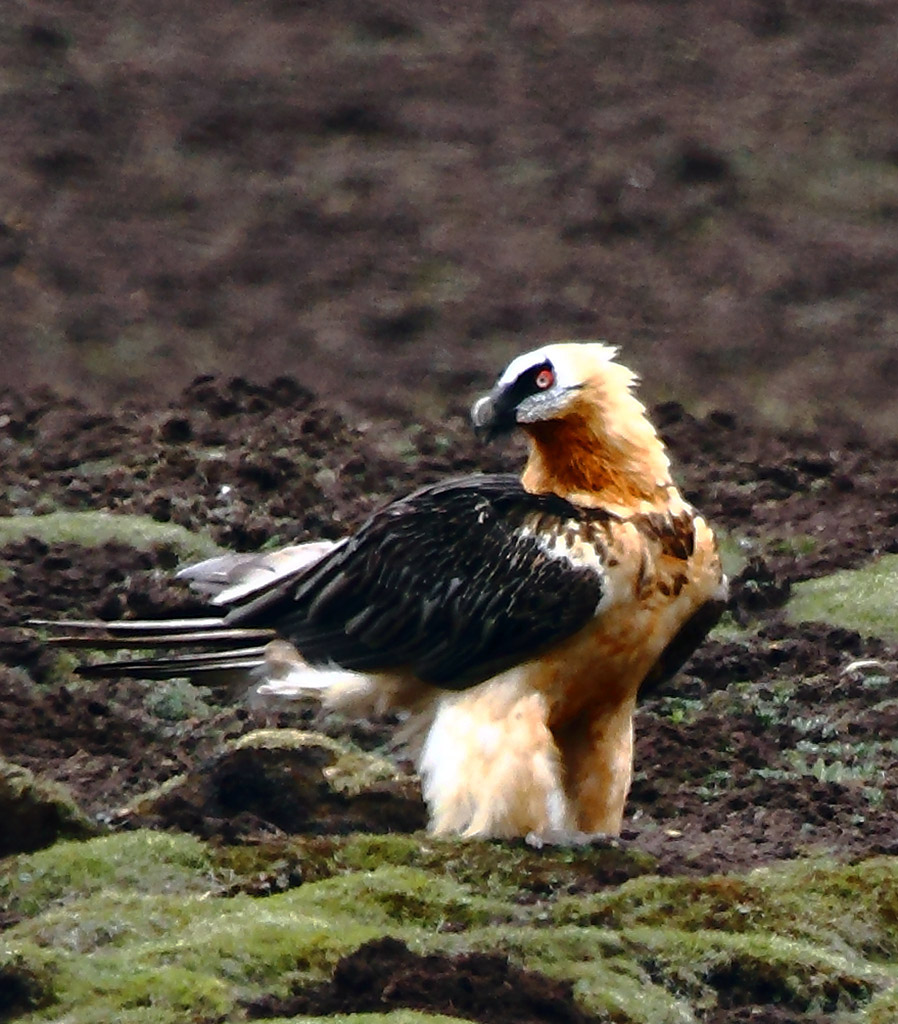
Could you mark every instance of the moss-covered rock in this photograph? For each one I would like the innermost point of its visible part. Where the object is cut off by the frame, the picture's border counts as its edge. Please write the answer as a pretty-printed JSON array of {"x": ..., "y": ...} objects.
[
  {"x": 36, "y": 812},
  {"x": 292, "y": 780}
]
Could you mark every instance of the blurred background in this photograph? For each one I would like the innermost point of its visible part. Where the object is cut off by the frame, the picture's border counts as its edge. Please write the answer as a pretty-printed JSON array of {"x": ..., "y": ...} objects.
[{"x": 387, "y": 199}]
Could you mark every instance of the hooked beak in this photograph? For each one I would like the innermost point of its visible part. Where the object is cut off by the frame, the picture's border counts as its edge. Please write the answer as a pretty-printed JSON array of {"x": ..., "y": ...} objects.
[{"x": 493, "y": 415}]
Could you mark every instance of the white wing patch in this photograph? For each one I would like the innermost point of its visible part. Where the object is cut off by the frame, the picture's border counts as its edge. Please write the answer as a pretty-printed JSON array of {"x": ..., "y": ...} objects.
[{"x": 567, "y": 543}]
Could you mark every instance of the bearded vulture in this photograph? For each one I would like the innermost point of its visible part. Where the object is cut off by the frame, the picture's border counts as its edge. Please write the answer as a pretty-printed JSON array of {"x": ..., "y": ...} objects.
[{"x": 514, "y": 619}]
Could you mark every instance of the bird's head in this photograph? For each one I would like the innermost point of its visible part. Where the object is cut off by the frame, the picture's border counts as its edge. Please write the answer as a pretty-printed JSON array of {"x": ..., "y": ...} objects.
[
  {"x": 551, "y": 383},
  {"x": 589, "y": 434}
]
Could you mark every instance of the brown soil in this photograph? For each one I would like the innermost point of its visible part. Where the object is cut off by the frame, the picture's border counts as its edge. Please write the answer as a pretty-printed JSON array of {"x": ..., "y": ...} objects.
[
  {"x": 384, "y": 974},
  {"x": 386, "y": 200},
  {"x": 186, "y": 188}
]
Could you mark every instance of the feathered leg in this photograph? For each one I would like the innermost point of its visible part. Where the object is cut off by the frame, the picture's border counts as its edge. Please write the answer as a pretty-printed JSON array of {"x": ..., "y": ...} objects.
[
  {"x": 490, "y": 766},
  {"x": 597, "y": 748}
]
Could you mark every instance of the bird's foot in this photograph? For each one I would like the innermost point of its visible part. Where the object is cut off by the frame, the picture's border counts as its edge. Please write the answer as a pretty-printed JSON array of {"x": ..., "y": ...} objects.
[{"x": 568, "y": 837}]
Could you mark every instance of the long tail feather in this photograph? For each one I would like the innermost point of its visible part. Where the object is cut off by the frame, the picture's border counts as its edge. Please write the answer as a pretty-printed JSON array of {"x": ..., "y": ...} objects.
[
  {"x": 208, "y": 663},
  {"x": 236, "y": 653},
  {"x": 206, "y": 638},
  {"x": 225, "y": 651},
  {"x": 126, "y": 626}
]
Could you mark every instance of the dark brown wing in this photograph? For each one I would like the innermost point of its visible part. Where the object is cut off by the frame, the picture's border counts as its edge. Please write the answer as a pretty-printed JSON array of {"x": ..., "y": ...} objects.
[
  {"x": 450, "y": 583},
  {"x": 683, "y": 645}
]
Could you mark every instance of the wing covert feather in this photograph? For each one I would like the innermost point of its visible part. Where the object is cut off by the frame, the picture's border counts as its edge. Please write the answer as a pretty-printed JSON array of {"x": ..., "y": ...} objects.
[{"x": 446, "y": 583}]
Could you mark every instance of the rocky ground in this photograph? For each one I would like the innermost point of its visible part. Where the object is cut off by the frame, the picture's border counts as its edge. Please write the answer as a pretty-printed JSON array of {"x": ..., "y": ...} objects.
[{"x": 253, "y": 269}]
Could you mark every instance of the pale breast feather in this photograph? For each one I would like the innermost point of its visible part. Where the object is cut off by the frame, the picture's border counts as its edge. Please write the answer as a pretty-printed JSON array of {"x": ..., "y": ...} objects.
[{"x": 453, "y": 583}]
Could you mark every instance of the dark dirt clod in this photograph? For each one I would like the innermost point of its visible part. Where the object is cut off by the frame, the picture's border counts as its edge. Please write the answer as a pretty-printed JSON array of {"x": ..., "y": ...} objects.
[
  {"x": 240, "y": 794},
  {"x": 384, "y": 974}
]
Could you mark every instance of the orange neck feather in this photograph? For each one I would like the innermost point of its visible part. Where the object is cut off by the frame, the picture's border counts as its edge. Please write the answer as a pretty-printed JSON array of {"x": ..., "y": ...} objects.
[{"x": 578, "y": 457}]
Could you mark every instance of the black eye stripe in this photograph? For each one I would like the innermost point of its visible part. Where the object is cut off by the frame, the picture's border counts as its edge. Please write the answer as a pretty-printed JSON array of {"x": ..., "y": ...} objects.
[
  {"x": 505, "y": 399},
  {"x": 526, "y": 385}
]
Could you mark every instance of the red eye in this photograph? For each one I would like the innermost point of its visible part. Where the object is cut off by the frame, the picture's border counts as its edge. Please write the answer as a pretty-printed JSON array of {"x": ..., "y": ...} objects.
[{"x": 544, "y": 379}]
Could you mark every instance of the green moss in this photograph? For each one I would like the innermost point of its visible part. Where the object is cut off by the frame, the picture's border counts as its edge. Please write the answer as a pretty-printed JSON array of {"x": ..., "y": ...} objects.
[
  {"x": 498, "y": 870},
  {"x": 142, "y": 862},
  {"x": 394, "y": 1017},
  {"x": 860, "y": 599},
  {"x": 299, "y": 780},
  {"x": 733, "y": 552},
  {"x": 190, "y": 954},
  {"x": 91, "y": 529},
  {"x": 400, "y": 896},
  {"x": 144, "y": 927},
  {"x": 842, "y": 907},
  {"x": 175, "y": 700},
  {"x": 350, "y": 771},
  {"x": 366, "y": 852},
  {"x": 660, "y": 973},
  {"x": 502, "y": 872},
  {"x": 606, "y": 979},
  {"x": 883, "y": 1009},
  {"x": 754, "y": 966},
  {"x": 37, "y": 812},
  {"x": 728, "y": 630},
  {"x": 796, "y": 544},
  {"x": 170, "y": 993}
]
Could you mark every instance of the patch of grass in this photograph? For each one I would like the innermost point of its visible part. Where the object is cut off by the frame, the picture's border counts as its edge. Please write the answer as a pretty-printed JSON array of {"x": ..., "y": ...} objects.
[
  {"x": 796, "y": 545},
  {"x": 175, "y": 700},
  {"x": 883, "y": 1008},
  {"x": 393, "y": 1017},
  {"x": 734, "y": 551},
  {"x": 662, "y": 974},
  {"x": 496, "y": 870},
  {"x": 729, "y": 631},
  {"x": 774, "y": 703},
  {"x": 91, "y": 529},
  {"x": 606, "y": 978},
  {"x": 864, "y": 600},
  {"x": 349, "y": 770},
  {"x": 679, "y": 710},
  {"x": 401, "y": 896},
  {"x": 861, "y": 761},
  {"x": 817, "y": 746}
]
